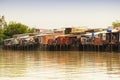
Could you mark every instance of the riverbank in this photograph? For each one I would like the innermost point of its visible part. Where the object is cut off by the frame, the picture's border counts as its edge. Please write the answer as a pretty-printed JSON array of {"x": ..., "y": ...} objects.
[
  {"x": 1, "y": 48},
  {"x": 95, "y": 41},
  {"x": 72, "y": 47}
]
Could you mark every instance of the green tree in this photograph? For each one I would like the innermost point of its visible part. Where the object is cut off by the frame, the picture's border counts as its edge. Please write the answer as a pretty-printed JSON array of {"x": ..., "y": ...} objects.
[
  {"x": 2, "y": 36},
  {"x": 15, "y": 28},
  {"x": 116, "y": 24},
  {"x": 0, "y": 31},
  {"x": 31, "y": 30}
]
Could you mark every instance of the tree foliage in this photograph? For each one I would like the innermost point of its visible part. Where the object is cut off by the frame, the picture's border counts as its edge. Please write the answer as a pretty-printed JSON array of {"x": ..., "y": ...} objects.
[
  {"x": 116, "y": 24},
  {"x": 0, "y": 31},
  {"x": 15, "y": 28},
  {"x": 31, "y": 30},
  {"x": 2, "y": 36}
]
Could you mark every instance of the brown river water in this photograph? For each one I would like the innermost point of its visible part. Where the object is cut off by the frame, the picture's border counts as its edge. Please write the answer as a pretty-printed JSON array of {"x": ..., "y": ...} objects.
[{"x": 59, "y": 65}]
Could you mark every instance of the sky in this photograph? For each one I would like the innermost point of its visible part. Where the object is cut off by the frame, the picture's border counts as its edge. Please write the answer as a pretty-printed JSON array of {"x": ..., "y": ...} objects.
[{"x": 52, "y": 14}]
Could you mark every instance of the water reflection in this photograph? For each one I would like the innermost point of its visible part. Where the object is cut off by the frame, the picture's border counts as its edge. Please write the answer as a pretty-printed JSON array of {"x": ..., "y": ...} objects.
[{"x": 59, "y": 65}]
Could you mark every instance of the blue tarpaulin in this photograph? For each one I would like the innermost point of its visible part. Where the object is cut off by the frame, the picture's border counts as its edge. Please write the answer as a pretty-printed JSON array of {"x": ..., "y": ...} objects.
[
  {"x": 109, "y": 30},
  {"x": 93, "y": 34}
]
